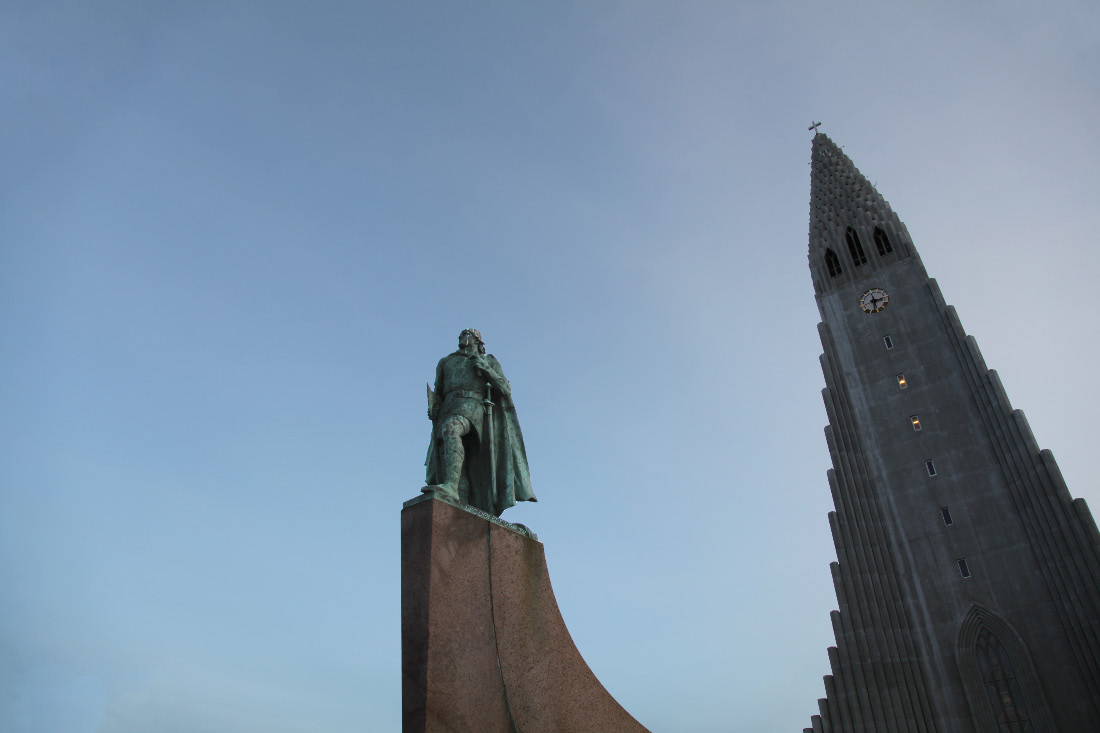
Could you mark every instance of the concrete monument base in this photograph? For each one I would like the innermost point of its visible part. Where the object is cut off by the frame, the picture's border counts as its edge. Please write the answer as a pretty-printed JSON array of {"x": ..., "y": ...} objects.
[{"x": 483, "y": 644}]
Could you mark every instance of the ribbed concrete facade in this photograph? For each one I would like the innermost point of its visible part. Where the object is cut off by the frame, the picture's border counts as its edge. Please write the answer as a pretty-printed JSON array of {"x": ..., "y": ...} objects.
[{"x": 968, "y": 578}]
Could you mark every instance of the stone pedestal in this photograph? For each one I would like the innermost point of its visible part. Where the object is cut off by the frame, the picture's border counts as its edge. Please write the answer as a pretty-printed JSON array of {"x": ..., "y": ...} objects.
[{"x": 483, "y": 644}]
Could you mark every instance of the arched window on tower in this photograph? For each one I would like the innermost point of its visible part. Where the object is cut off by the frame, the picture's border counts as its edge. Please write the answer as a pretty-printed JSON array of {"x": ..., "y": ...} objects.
[
  {"x": 998, "y": 675},
  {"x": 832, "y": 262},
  {"x": 1001, "y": 686},
  {"x": 882, "y": 242},
  {"x": 855, "y": 248}
]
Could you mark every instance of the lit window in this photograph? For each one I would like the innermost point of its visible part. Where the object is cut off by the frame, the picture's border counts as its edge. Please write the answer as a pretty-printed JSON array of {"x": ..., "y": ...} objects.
[
  {"x": 916, "y": 422},
  {"x": 946, "y": 514},
  {"x": 929, "y": 466},
  {"x": 963, "y": 567},
  {"x": 901, "y": 381},
  {"x": 888, "y": 341}
]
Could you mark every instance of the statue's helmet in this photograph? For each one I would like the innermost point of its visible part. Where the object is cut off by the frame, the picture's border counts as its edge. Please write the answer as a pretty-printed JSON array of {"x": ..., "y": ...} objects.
[{"x": 477, "y": 337}]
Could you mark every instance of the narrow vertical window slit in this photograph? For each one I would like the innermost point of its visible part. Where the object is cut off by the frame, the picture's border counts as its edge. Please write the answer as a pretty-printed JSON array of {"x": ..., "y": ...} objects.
[
  {"x": 882, "y": 243},
  {"x": 855, "y": 248}
]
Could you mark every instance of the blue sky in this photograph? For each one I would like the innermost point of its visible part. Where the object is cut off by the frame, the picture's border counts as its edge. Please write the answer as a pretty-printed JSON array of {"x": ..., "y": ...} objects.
[{"x": 236, "y": 237}]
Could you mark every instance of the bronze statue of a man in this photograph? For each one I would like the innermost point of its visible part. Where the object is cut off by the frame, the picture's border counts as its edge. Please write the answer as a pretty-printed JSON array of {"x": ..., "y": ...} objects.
[{"x": 476, "y": 455}]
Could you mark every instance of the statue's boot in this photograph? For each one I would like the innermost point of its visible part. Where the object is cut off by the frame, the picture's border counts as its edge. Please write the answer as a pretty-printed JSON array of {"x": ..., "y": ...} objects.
[{"x": 453, "y": 456}]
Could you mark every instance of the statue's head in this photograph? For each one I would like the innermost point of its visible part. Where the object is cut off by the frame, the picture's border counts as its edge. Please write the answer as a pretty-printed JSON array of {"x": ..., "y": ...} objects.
[{"x": 471, "y": 335}]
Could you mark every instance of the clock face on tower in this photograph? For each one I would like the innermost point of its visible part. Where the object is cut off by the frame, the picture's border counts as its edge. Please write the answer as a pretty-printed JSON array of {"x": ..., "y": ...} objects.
[{"x": 874, "y": 300}]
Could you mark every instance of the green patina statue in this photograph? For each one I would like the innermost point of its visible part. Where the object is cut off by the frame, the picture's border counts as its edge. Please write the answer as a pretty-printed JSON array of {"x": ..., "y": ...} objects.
[{"x": 476, "y": 455}]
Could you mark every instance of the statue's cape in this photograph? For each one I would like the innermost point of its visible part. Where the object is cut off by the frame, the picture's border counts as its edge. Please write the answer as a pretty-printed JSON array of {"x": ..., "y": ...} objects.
[{"x": 513, "y": 476}]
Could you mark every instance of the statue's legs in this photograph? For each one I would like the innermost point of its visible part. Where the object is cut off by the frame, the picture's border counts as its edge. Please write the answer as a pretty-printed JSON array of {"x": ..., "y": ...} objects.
[{"x": 454, "y": 455}]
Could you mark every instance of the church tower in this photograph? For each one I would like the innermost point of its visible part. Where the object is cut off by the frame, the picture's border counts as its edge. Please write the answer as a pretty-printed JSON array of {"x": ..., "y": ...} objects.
[{"x": 968, "y": 578}]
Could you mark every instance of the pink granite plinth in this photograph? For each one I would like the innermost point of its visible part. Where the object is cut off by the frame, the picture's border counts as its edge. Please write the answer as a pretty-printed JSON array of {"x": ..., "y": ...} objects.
[{"x": 483, "y": 644}]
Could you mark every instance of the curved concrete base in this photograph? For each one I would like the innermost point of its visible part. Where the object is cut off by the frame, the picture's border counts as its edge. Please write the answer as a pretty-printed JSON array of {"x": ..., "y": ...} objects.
[{"x": 483, "y": 644}]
